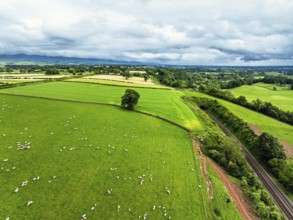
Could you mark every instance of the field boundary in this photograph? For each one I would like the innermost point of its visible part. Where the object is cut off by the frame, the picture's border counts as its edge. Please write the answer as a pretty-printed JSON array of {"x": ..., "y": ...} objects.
[
  {"x": 104, "y": 84},
  {"x": 101, "y": 103}
]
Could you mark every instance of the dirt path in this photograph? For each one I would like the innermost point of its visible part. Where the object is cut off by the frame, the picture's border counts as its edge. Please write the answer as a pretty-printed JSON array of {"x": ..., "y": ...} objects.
[{"x": 237, "y": 197}]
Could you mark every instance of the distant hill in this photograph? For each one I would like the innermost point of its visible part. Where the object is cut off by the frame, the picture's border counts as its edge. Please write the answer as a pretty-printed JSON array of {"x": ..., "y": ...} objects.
[{"x": 22, "y": 59}]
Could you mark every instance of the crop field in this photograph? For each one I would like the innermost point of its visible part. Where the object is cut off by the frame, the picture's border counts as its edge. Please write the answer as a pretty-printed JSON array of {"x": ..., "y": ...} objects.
[
  {"x": 165, "y": 103},
  {"x": 31, "y": 76},
  {"x": 134, "y": 79},
  {"x": 280, "y": 130},
  {"x": 64, "y": 160},
  {"x": 116, "y": 82},
  {"x": 15, "y": 81},
  {"x": 280, "y": 98}
]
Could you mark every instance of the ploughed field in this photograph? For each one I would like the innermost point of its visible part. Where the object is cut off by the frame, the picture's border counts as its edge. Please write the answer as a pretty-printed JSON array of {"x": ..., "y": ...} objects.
[
  {"x": 66, "y": 160},
  {"x": 282, "y": 98},
  {"x": 162, "y": 102}
]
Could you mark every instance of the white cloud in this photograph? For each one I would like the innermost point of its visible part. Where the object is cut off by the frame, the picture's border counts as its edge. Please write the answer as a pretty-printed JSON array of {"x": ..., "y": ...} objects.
[{"x": 227, "y": 32}]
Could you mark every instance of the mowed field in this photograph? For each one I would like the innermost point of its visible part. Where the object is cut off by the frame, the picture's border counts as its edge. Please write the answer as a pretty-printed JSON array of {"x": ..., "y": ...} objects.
[
  {"x": 162, "y": 102},
  {"x": 283, "y": 99},
  {"x": 100, "y": 161},
  {"x": 280, "y": 130}
]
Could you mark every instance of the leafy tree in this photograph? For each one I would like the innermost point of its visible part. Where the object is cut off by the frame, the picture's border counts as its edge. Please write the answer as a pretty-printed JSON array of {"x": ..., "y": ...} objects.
[
  {"x": 269, "y": 147},
  {"x": 52, "y": 72},
  {"x": 126, "y": 74},
  {"x": 258, "y": 104},
  {"x": 146, "y": 77},
  {"x": 130, "y": 99},
  {"x": 241, "y": 100}
]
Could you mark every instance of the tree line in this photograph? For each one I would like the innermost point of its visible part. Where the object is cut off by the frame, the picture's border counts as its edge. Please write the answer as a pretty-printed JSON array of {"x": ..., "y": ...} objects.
[
  {"x": 265, "y": 147},
  {"x": 266, "y": 108},
  {"x": 229, "y": 155}
]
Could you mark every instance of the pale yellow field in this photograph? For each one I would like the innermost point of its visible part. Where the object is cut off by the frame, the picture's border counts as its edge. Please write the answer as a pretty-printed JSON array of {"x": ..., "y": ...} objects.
[
  {"x": 31, "y": 76},
  {"x": 13, "y": 81},
  {"x": 138, "y": 80}
]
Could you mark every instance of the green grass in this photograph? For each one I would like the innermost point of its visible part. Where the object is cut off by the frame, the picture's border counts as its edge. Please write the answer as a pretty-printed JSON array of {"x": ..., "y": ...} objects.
[
  {"x": 165, "y": 103},
  {"x": 280, "y": 130},
  {"x": 117, "y": 83},
  {"x": 84, "y": 175},
  {"x": 283, "y": 99},
  {"x": 270, "y": 86}
]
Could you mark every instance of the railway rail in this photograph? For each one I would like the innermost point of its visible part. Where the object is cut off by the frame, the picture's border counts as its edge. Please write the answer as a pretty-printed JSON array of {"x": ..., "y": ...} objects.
[{"x": 280, "y": 198}]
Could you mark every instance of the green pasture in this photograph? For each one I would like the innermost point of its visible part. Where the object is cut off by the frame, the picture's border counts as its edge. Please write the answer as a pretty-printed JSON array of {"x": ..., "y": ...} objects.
[
  {"x": 280, "y": 98},
  {"x": 101, "y": 161},
  {"x": 270, "y": 86},
  {"x": 165, "y": 103},
  {"x": 280, "y": 130},
  {"x": 114, "y": 82}
]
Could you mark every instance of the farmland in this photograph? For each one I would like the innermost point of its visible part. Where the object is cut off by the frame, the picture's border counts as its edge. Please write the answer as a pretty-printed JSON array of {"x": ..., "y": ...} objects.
[
  {"x": 116, "y": 82},
  {"x": 165, "y": 103},
  {"x": 280, "y": 98},
  {"x": 264, "y": 123},
  {"x": 15, "y": 81},
  {"x": 102, "y": 161}
]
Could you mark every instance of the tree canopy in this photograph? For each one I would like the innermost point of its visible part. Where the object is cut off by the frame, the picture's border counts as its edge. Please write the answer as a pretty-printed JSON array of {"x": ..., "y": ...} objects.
[
  {"x": 130, "y": 99},
  {"x": 269, "y": 147}
]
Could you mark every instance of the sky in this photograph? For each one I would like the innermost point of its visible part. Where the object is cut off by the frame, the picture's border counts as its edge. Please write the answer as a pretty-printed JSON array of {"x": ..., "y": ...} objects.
[{"x": 186, "y": 32}]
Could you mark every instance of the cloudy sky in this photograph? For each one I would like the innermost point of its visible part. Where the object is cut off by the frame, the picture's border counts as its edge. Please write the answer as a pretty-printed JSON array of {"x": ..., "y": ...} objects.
[{"x": 216, "y": 32}]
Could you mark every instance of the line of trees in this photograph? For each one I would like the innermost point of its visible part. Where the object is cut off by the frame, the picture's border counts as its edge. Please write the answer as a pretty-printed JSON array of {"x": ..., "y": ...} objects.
[
  {"x": 266, "y": 108},
  {"x": 265, "y": 147},
  {"x": 229, "y": 155}
]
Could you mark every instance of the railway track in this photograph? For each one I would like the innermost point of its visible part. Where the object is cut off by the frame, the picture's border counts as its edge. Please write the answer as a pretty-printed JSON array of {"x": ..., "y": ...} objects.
[{"x": 284, "y": 203}]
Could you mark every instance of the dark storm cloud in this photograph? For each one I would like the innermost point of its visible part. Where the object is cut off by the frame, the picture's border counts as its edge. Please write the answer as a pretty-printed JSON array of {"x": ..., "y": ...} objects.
[{"x": 252, "y": 32}]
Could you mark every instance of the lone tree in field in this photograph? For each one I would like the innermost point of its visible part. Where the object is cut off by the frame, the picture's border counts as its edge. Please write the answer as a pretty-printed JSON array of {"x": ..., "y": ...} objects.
[{"x": 130, "y": 99}]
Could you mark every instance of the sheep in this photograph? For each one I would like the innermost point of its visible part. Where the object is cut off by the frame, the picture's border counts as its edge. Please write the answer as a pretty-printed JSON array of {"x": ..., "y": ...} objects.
[
  {"x": 24, "y": 183},
  {"x": 29, "y": 203},
  {"x": 16, "y": 190}
]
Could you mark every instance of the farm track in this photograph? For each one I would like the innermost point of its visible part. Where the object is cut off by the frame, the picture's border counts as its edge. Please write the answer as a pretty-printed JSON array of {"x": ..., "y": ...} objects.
[{"x": 277, "y": 194}]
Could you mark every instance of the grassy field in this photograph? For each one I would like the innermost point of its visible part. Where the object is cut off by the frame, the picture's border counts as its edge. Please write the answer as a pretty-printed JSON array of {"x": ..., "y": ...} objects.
[
  {"x": 91, "y": 156},
  {"x": 280, "y": 130},
  {"x": 280, "y": 98},
  {"x": 165, "y": 103},
  {"x": 115, "y": 82},
  {"x": 270, "y": 86}
]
